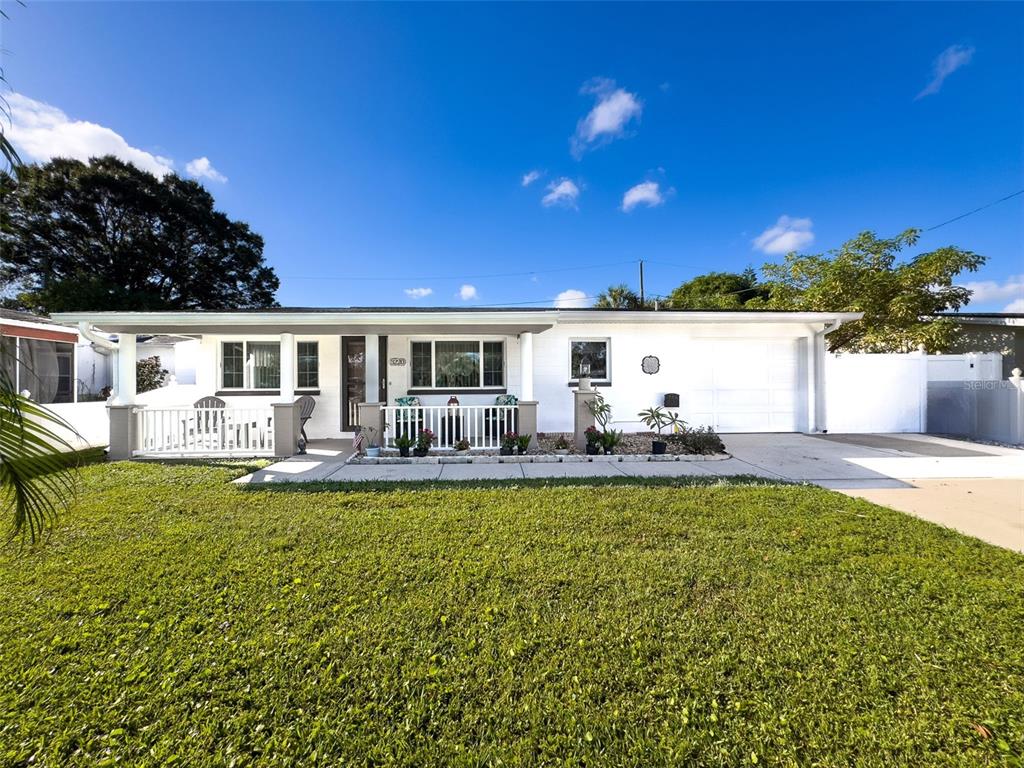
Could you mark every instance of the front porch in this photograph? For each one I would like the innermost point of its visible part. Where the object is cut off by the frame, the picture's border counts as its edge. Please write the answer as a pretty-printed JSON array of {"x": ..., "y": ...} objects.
[{"x": 460, "y": 386}]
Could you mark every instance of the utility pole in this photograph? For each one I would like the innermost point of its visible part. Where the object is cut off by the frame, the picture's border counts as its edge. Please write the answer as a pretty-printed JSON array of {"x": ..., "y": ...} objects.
[{"x": 641, "y": 282}]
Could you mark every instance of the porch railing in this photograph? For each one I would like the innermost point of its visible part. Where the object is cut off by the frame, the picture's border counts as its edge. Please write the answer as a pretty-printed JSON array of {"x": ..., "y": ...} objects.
[
  {"x": 481, "y": 425},
  {"x": 205, "y": 431}
]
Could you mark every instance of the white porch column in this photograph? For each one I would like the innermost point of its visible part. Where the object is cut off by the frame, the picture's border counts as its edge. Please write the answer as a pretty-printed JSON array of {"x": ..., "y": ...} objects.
[
  {"x": 813, "y": 382},
  {"x": 373, "y": 367},
  {"x": 126, "y": 357},
  {"x": 526, "y": 366},
  {"x": 287, "y": 367}
]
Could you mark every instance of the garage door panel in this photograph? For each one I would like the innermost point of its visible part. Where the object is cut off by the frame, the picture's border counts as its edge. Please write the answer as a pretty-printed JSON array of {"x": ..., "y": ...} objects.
[{"x": 743, "y": 385}]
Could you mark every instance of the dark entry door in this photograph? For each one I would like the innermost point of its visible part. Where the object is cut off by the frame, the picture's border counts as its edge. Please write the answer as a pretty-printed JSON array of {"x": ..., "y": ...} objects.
[
  {"x": 382, "y": 370},
  {"x": 353, "y": 379}
]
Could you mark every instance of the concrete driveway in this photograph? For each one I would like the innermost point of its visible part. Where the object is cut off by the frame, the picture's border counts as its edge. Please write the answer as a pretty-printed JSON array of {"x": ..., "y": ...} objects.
[{"x": 975, "y": 489}]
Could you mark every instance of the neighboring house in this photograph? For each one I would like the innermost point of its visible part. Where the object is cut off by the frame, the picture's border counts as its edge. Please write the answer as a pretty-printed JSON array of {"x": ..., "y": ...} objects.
[
  {"x": 734, "y": 371},
  {"x": 51, "y": 362},
  {"x": 1001, "y": 332},
  {"x": 178, "y": 355}
]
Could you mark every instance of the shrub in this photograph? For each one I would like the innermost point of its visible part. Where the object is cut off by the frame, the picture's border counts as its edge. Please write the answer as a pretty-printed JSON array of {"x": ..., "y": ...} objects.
[
  {"x": 702, "y": 440},
  {"x": 593, "y": 435},
  {"x": 561, "y": 444},
  {"x": 462, "y": 445},
  {"x": 403, "y": 441},
  {"x": 149, "y": 375},
  {"x": 509, "y": 440},
  {"x": 425, "y": 439}
]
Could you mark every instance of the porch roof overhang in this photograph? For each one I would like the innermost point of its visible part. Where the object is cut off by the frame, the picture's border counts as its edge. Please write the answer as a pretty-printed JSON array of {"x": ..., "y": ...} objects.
[
  {"x": 353, "y": 322},
  {"x": 359, "y": 321}
]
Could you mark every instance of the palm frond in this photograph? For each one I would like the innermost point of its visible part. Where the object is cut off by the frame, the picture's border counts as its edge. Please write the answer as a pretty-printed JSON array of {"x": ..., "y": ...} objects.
[{"x": 38, "y": 475}]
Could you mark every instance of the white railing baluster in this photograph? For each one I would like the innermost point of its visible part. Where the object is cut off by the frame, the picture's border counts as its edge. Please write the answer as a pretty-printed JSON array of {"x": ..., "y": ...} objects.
[
  {"x": 205, "y": 431},
  {"x": 481, "y": 425}
]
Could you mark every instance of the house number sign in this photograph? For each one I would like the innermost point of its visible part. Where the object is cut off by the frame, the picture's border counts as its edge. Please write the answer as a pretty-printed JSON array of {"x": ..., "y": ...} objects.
[
  {"x": 397, "y": 361},
  {"x": 650, "y": 364}
]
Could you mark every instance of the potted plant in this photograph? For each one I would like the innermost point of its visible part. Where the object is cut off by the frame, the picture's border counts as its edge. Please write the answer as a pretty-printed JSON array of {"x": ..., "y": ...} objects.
[
  {"x": 593, "y": 435},
  {"x": 508, "y": 443},
  {"x": 424, "y": 440},
  {"x": 462, "y": 447},
  {"x": 403, "y": 443},
  {"x": 610, "y": 438},
  {"x": 523, "y": 443},
  {"x": 372, "y": 449},
  {"x": 561, "y": 446},
  {"x": 657, "y": 418}
]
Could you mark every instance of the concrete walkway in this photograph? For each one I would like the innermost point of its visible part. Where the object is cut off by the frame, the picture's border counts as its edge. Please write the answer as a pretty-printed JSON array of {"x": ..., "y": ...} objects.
[{"x": 976, "y": 489}]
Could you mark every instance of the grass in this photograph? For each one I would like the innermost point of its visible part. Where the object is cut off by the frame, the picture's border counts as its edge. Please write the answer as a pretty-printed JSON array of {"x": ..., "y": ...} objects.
[{"x": 176, "y": 619}]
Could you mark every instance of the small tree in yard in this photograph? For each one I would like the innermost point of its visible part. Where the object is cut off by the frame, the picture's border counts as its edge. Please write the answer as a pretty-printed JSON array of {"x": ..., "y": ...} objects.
[
  {"x": 898, "y": 299},
  {"x": 149, "y": 375}
]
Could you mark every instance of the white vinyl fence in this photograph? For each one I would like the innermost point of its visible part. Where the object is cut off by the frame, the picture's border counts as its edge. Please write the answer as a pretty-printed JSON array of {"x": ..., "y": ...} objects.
[{"x": 876, "y": 393}]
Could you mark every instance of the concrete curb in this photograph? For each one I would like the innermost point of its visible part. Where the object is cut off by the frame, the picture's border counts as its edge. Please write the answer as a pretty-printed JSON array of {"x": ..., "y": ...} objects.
[{"x": 535, "y": 459}]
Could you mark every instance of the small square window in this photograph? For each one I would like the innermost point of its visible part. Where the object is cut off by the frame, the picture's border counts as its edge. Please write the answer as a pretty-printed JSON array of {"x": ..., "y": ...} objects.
[{"x": 588, "y": 353}]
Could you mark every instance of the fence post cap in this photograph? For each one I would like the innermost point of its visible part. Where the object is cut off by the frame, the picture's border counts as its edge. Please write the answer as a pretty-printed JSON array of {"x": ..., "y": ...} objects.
[{"x": 1015, "y": 373}]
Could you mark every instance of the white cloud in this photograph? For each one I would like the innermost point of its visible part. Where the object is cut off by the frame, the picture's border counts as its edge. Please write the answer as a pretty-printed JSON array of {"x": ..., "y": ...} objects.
[
  {"x": 787, "y": 235},
  {"x": 991, "y": 292},
  {"x": 418, "y": 293},
  {"x": 648, "y": 193},
  {"x": 202, "y": 168},
  {"x": 1015, "y": 306},
  {"x": 614, "y": 108},
  {"x": 532, "y": 176},
  {"x": 945, "y": 64},
  {"x": 571, "y": 299},
  {"x": 42, "y": 132},
  {"x": 467, "y": 292},
  {"x": 563, "y": 192}
]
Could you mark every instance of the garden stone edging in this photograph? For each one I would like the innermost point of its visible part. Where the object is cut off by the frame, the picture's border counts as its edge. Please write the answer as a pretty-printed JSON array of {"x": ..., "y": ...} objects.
[{"x": 535, "y": 459}]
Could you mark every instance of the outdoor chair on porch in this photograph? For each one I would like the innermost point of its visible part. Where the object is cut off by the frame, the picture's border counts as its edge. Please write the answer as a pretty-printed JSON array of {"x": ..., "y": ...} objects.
[
  {"x": 497, "y": 422},
  {"x": 306, "y": 406},
  {"x": 408, "y": 422},
  {"x": 209, "y": 423}
]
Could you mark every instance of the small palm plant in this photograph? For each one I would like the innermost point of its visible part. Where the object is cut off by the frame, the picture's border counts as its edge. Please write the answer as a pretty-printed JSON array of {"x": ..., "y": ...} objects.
[
  {"x": 37, "y": 468},
  {"x": 657, "y": 418}
]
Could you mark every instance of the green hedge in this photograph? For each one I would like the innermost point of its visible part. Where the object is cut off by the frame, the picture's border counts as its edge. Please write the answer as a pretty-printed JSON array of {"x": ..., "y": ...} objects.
[{"x": 175, "y": 619}]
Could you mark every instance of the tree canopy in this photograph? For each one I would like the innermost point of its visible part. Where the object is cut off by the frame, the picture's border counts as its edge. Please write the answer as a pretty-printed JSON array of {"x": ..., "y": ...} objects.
[
  {"x": 105, "y": 235},
  {"x": 717, "y": 290},
  {"x": 619, "y": 296},
  {"x": 897, "y": 299}
]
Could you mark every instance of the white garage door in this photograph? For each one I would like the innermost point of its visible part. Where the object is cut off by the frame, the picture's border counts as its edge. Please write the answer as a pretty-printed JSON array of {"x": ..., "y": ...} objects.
[{"x": 743, "y": 385}]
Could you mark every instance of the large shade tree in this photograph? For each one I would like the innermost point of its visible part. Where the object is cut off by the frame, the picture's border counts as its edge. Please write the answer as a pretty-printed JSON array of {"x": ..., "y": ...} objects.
[
  {"x": 898, "y": 299},
  {"x": 717, "y": 290},
  {"x": 105, "y": 235}
]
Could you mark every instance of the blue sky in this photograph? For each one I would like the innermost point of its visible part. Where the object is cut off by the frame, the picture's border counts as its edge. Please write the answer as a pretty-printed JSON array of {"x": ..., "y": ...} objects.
[{"x": 392, "y": 141}]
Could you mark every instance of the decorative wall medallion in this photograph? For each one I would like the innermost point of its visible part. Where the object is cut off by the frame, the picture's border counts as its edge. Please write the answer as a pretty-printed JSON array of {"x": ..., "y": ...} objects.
[
  {"x": 397, "y": 361},
  {"x": 650, "y": 364}
]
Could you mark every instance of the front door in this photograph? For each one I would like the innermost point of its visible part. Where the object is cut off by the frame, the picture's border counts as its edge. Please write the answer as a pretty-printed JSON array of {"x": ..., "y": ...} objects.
[
  {"x": 353, "y": 380},
  {"x": 382, "y": 370}
]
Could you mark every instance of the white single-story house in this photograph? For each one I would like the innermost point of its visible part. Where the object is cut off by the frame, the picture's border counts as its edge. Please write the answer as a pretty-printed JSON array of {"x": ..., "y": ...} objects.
[{"x": 486, "y": 369}]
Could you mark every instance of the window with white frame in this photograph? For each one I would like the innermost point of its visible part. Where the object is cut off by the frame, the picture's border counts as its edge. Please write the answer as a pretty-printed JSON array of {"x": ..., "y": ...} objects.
[
  {"x": 257, "y": 365},
  {"x": 308, "y": 358},
  {"x": 589, "y": 357},
  {"x": 457, "y": 364}
]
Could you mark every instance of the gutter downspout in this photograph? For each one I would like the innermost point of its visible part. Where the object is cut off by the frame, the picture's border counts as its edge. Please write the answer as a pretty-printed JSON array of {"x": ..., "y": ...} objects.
[
  {"x": 95, "y": 338},
  {"x": 820, "y": 410}
]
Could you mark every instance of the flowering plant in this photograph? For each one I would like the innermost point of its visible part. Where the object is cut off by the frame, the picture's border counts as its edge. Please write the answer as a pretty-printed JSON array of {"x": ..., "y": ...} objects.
[
  {"x": 593, "y": 435},
  {"x": 425, "y": 439},
  {"x": 509, "y": 440}
]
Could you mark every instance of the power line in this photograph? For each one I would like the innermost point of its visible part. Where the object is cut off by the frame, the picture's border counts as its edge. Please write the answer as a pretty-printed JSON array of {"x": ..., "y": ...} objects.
[
  {"x": 976, "y": 210},
  {"x": 467, "y": 277}
]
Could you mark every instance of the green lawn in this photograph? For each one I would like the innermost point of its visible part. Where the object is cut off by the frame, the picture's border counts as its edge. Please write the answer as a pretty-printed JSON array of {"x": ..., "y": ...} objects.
[{"x": 174, "y": 617}]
